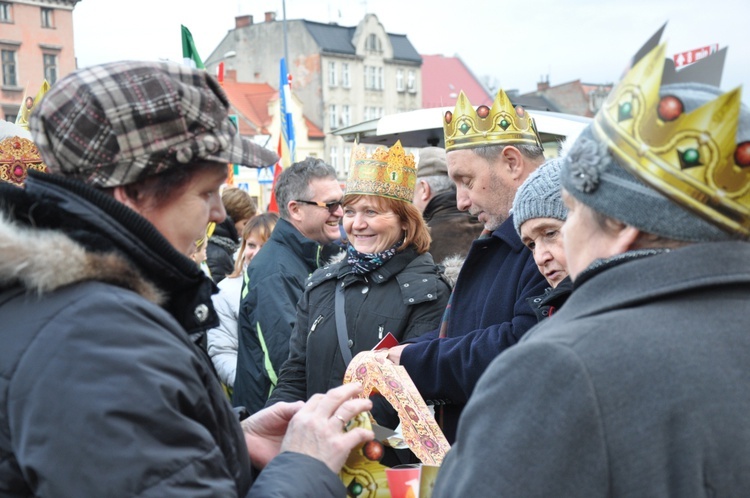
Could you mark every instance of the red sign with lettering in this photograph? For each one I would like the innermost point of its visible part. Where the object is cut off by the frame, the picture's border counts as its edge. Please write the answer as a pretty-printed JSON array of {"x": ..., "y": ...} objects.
[{"x": 685, "y": 58}]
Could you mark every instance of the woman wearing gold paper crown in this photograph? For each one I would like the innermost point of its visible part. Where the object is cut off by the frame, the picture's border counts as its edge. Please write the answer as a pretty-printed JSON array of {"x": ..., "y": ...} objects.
[
  {"x": 639, "y": 385},
  {"x": 388, "y": 282}
]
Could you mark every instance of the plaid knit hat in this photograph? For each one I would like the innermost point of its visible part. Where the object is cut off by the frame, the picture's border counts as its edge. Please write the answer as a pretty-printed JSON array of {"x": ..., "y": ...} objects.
[
  {"x": 121, "y": 122},
  {"x": 540, "y": 195}
]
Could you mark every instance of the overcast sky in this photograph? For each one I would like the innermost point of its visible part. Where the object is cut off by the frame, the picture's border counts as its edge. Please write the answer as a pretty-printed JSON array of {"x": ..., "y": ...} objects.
[{"x": 514, "y": 42}]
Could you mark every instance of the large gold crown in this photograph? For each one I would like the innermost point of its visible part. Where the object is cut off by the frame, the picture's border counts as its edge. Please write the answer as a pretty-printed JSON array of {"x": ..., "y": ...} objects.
[
  {"x": 387, "y": 173},
  {"x": 502, "y": 124},
  {"x": 690, "y": 157}
]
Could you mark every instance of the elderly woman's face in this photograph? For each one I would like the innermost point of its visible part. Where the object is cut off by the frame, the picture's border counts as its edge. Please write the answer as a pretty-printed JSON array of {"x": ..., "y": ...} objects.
[
  {"x": 183, "y": 218},
  {"x": 369, "y": 227},
  {"x": 583, "y": 237}
]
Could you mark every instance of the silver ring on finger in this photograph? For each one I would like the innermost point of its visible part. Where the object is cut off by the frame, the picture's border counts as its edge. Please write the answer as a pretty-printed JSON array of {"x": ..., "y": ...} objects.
[{"x": 343, "y": 422}]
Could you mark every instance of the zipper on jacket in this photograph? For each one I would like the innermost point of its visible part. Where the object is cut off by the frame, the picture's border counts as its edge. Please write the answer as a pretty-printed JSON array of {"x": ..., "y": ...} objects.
[
  {"x": 380, "y": 332},
  {"x": 315, "y": 323}
]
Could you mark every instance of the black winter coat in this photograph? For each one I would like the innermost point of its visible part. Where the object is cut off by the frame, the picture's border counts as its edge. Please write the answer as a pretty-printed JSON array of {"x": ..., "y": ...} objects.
[
  {"x": 220, "y": 250},
  {"x": 452, "y": 230},
  {"x": 406, "y": 297},
  {"x": 275, "y": 281},
  {"x": 102, "y": 389}
]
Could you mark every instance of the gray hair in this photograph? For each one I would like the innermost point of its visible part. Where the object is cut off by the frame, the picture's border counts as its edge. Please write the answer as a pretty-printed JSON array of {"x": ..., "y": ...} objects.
[
  {"x": 294, "y": 182},
  {"x": 438, "y": 183},
  {"x": 491, "y": 152}
]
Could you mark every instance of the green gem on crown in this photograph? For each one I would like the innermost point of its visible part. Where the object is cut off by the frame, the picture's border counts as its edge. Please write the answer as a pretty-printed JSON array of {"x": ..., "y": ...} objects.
[
  {"x": 689, "y": 158},
  {"x": 504, "y": 123},
  {"x": 625, "y": 111},
  {"x": 464, "y": 128}
]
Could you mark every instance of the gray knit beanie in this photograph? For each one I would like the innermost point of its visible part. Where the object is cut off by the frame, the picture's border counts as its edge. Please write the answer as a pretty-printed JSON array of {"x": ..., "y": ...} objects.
[
  {"x": 593, "y": 176},
  {"x": 540, "y": 195}
]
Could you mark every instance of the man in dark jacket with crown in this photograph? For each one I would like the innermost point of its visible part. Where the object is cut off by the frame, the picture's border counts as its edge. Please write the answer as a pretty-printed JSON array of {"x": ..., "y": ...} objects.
[{"x": 490, "y": 153}]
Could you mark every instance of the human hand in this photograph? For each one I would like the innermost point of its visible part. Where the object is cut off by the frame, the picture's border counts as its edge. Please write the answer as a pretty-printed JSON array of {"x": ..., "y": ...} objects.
[
  {"x": 394, "y": 354},
  {"x": 317, "y": 429},
  {"x": 264, "y": 431}
]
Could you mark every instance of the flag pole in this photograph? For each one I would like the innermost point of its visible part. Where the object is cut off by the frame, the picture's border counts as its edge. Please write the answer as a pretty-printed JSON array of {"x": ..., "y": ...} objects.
[{"x": 283, "y": 21}]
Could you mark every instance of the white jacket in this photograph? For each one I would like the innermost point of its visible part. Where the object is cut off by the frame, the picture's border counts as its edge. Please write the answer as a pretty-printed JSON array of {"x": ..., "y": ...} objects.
[{"x": 222, "y": 341}]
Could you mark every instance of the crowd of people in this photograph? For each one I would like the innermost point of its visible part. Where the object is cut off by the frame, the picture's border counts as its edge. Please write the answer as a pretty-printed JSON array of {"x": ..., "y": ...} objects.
[{"x": 573, "y": 321}]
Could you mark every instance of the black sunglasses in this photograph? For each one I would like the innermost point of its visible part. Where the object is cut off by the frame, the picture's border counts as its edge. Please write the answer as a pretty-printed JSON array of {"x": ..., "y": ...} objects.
[{"x": 332, "y": 207}]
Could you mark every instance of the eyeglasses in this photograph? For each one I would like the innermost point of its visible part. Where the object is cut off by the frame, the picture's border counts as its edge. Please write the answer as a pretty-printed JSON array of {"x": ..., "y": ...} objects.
[{"x": 332, "y": 207}]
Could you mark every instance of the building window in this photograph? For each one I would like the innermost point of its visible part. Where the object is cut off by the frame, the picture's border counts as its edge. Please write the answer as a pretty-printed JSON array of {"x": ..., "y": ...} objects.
[
  {"x": 400, "y": 80},
  {"x": 332, "y": 74},
  {"x": 373, "y": 44},
  {"x": 345, "y": 81},
  {"x": 345, "y": 116},
  {"x": 9, "y": 68},
  {"x": 332, "y": 116},
  {"x": 50, "y": 68},
  {"x": 373, "y": 113},
  {"x": 48, "y": 19},
  {"x": 411, "y": 82},
  {"x": 373, "y": 78},
  {"x": 335, "y": 158},
  {"x": 5, "y": 12},
  {"x": 347, "y": 159}
]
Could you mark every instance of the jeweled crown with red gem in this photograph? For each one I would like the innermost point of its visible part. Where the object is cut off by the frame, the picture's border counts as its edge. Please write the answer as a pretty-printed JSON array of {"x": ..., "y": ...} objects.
[
  {"x": 502, "y": 124},
  {"x": 17, "y": 156},
  {"x": 690, "y": 157}
]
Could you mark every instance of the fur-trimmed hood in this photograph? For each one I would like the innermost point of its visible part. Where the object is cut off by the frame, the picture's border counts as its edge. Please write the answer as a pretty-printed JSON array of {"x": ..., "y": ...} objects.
[
  {"x": 57, "y": 232},
  {"x": 43, "y": 260}
]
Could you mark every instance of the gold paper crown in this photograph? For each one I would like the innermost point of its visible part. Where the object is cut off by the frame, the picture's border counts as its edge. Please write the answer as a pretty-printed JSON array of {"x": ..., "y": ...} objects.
[
  {"x": 690, "y": 157},
  {"x": 502, "y": 124},
  {"x": 387, "y": 173},
  {"x": 17, "y": 156}
]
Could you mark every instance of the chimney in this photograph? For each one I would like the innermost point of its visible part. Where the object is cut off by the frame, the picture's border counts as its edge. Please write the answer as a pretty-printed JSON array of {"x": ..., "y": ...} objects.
[
  {"x": 270, "y": 16},
  {"x": 243, "y": 21},
  {"x": 543, "y": 85}
]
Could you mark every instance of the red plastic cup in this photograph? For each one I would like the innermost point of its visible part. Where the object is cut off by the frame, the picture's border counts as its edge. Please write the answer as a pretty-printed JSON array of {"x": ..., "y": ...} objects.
[{"x": 403, "y": 481}]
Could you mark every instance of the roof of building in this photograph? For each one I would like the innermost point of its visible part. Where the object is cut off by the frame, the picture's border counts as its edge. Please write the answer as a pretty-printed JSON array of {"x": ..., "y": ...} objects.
[
  {"x": 250, "y": 100},
  {"x": 313, "y": 131},
  {"x": 535, "y": 101},
  {"x": 338, "y": 39},
  {"x": 444, "y": 77},
  {"x": 572, "y": 97}
]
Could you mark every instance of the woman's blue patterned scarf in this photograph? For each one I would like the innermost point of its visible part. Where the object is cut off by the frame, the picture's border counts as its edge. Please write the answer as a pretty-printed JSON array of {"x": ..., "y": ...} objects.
[{"x": 362, "y": 263}]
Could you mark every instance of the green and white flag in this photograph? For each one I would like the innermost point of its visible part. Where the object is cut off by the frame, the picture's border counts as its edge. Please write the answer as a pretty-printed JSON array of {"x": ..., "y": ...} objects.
[{"x": 190, "y": 55}]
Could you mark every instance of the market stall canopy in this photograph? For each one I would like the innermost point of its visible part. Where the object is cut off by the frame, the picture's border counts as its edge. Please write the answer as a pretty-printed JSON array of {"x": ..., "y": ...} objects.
[{"x": 424, "y": 127}]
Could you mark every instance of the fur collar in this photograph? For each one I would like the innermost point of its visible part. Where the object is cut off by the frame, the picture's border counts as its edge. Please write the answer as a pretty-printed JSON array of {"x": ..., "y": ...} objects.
[{"x": 42, "y": 260}]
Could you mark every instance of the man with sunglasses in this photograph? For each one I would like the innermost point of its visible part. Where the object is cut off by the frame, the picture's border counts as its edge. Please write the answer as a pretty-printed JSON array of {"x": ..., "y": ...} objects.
[{"x": 309, "y": 198}]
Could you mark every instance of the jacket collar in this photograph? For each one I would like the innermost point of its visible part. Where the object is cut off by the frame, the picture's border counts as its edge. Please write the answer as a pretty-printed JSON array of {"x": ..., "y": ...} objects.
[
  {"x": 640, "y": 280},
  {"x": 507, "y": 233},
  {"x": 65, "y": 232},
  {"x": 305, "y": 249},
  {"x": 442, "y": 201}
]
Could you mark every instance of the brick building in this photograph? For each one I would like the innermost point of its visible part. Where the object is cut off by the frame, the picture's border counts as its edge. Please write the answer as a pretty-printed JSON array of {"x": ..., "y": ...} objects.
[{"x": 36, "y": 43}]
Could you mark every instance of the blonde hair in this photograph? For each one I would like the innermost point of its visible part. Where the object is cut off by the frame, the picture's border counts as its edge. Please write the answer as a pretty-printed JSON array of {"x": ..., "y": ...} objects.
[
  {"x": 417, "y": 233},
  {"x": 261, "y": 225},
  {"x": 238, "y": 204}
]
